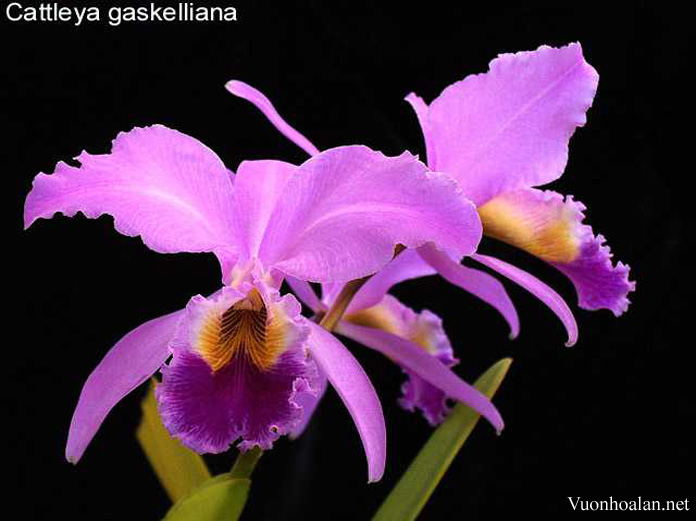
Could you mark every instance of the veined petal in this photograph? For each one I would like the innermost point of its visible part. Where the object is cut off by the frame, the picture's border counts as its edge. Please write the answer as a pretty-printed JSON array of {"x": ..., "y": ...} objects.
[
  {"x": 158, "y": 183},
  {"x": 423, "y": 329},
  {"x": 354, "y": 387},
  {"x": 405, "y": 266},
  {"x": 537, "y": 288},
  {"x": 239, "y": 370},
  {"x": 476, "y": 282},
  {"x": 428, "y": 367},
  {"x": 129, "y": 363},
  {"x": 551, "y": 227},
  {"x": 258, "y": 187},
  {"x": 262, "y": 103},
  {"x": 346, "y": 209},
  {"x": 509, "y": 128}
]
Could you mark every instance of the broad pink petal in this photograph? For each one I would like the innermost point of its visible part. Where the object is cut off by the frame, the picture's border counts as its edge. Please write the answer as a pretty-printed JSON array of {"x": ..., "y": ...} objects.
[
  {"x": 509, "y": 128},
  {"x": 346, "y": 209},
  {"x": 261, "y": 102},
  {"x": 355, "y": 389},
  {"x": 129, "y": 363},
  {"x": 158, "y": 183},
  {"x": 429, "y": 368},
  {"x": 407, "y": 265},
  {"x": 257, "y": 189},
  {"x": 476, "y": 282},
  {"x": 537, "y": 288}
]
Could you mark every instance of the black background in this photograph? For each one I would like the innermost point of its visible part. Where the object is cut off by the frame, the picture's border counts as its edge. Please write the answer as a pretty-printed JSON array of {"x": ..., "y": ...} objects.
[{"x": 610, "y": 417}]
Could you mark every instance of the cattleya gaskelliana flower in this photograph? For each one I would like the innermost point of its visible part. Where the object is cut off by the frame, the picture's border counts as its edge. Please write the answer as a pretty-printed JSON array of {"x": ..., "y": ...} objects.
[
  {"x": 243, "y": 363},
  {"x": 499, "y": 135}
]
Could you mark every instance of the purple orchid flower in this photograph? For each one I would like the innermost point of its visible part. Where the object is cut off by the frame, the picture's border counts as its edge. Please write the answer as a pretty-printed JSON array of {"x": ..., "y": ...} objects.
[
  {"x": 244, "y": 362},
  {"x": 380, "y": 321},
  {"x": 500, "y": 134}
]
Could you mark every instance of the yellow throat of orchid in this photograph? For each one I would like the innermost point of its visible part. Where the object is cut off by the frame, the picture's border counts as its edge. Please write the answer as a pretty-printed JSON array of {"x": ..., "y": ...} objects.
[
  {"x": 244, "y": 329},
  {"x": 545, "y": 232}
]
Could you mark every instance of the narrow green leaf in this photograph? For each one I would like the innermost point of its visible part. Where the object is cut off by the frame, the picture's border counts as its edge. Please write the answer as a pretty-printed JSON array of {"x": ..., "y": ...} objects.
[
  {"x": 415, "y": 487},
  {"x": 220, "y": 498},
  {"x": 178, "y": 469}
]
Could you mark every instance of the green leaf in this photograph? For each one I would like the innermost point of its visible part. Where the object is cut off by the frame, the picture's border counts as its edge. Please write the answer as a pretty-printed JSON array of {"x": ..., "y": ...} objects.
[
  {"x": 220, "y": 498},
  {"x": 415, "y": 487},
  {"x": 178, "y": 469}
]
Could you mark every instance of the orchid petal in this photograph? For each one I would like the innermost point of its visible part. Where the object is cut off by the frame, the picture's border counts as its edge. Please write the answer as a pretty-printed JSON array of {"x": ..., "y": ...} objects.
[
  {"x": 551, "y": 227},
  {"x": 405, "y": 266},
  {"x": 359, "y": 396},
  {"x": 305, "y": 293},
  {"x": 257, "y": 189},
  {"x": 158, "y": 183},
  {"x": 129, "y": 363},
  {"x": 429, "y": 368},
  {"x": 346, "y": 209},
  {"x": 262, "y": 103},
  {"x": 476, "y": 282},
  {"x": 509, "y": 128},
  {"x": 537, "y": 288}
]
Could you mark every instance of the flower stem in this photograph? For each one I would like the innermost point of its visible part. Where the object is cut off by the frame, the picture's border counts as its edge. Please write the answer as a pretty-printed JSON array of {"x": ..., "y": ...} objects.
[
  {"x": 245, "y": 463},
  {"x": 334, "y": 314}
]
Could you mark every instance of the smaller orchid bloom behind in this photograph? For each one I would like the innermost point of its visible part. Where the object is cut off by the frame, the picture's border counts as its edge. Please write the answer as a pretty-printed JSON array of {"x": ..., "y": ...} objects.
[
  {"x": 505, "y": 132},
  {"x": 243, "y": 364},
  {"x": 417, "y": 342},
  {"x": 499, "y": 135}
]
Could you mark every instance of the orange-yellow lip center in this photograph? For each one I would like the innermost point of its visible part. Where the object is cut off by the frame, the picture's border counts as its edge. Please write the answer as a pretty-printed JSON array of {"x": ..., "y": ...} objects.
[
  {"x": 242, "y": 330},
  {"x": 549, "y": 237}
]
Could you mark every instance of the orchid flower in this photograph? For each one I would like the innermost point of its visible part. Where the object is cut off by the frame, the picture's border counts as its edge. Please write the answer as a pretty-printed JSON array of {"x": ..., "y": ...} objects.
[
  {"x": 243, "y": 363},
  {"x": 500, "y": 135}
]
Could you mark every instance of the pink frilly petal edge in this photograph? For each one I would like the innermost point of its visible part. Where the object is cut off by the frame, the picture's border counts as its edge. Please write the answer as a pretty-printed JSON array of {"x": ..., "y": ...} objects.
[{"x": 599, "y": 283}]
